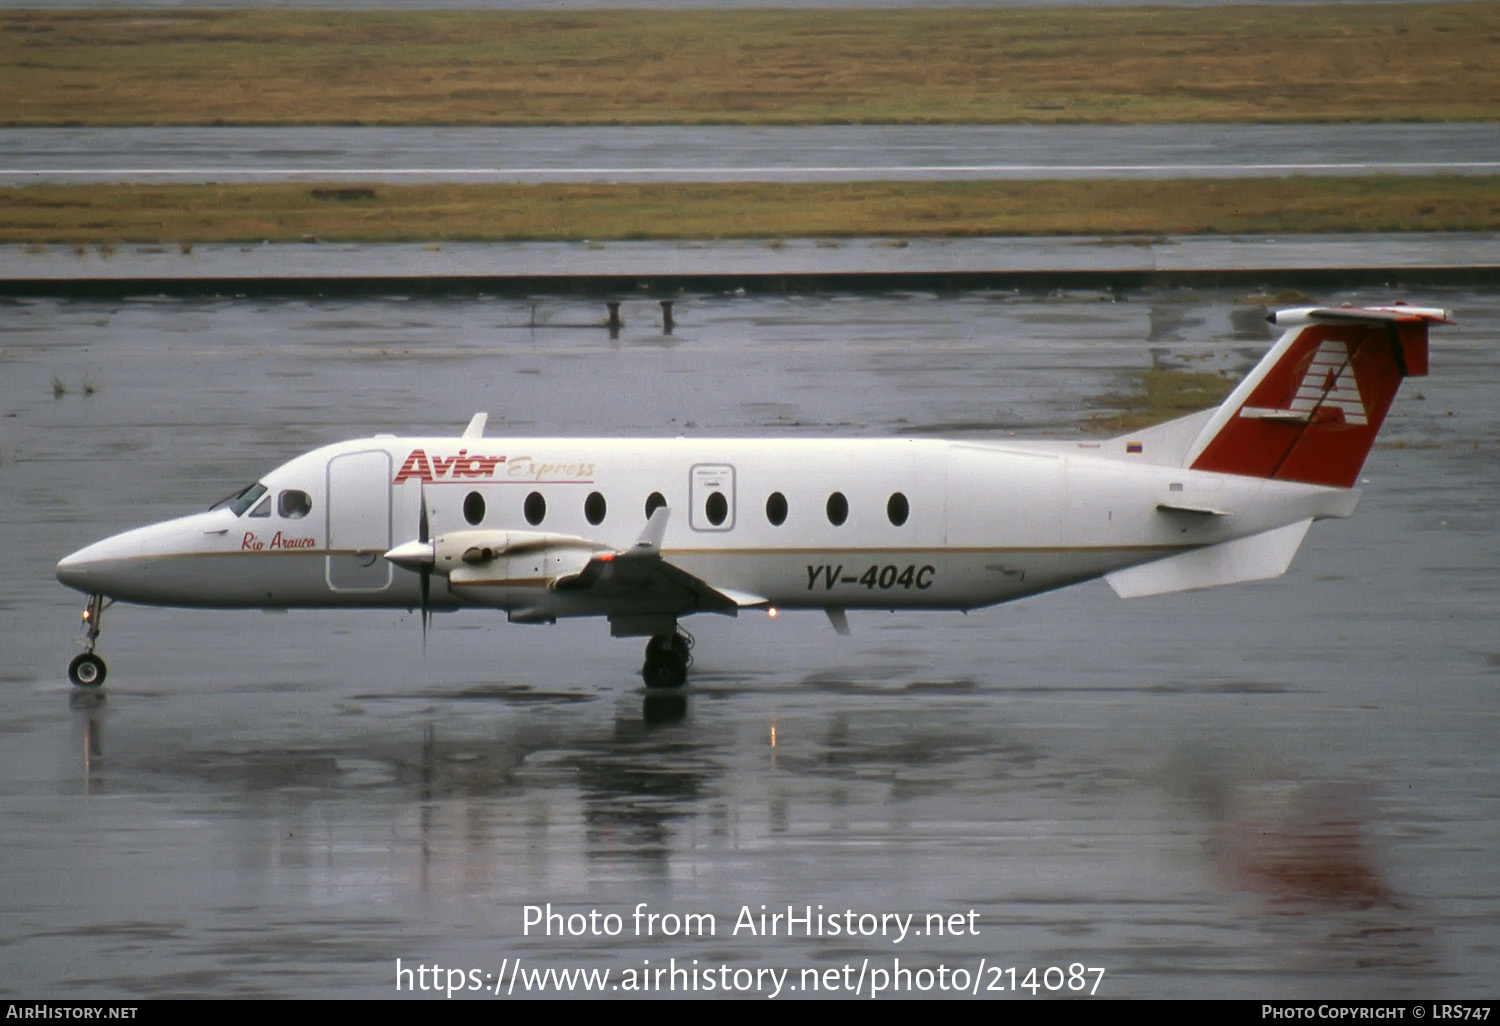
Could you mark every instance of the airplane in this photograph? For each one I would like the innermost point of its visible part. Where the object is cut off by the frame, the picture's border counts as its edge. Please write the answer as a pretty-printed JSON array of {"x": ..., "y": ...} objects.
[{"x": 645, "y": 532}]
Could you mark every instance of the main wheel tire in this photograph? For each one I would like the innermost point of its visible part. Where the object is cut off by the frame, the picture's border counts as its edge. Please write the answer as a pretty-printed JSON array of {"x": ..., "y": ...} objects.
[
  {"x": 666, "y": 670},
  {"x": 657, "y": 646},
  {"x": 86, "y": 670}
]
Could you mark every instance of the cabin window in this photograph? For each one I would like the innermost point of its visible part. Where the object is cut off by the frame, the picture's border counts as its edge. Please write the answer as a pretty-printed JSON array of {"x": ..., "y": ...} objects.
[
  {"x": 293, "y": 504},
  {"x": 474, "y": 508},
  {"x": 594, "y": 508},
  {"x": 535, "y": 508},
  {"x": 262, "y": 508},
  {"x": 838, "y": 509},
  {"x": 716, "y": 508},
  {"x": 654, "y": 502},
  {"x": 898, "y": 509},
  {"x": 776, "y": 509}
]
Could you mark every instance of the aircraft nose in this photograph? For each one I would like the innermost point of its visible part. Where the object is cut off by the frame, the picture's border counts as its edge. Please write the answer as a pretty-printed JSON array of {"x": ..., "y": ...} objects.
[
  {"x": 78, "y": 570},
  {"x": 100, "y": 568},
  {"x": 73, "y": 570},
  {"x": 145, "y": 564}
]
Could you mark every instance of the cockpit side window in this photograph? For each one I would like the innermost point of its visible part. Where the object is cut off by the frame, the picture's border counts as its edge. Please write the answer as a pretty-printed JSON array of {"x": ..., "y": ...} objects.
[
  {"x": 262, "y": 508},
  {"x": 293, "y": 504},
  {"x": 242, "y": 499}
]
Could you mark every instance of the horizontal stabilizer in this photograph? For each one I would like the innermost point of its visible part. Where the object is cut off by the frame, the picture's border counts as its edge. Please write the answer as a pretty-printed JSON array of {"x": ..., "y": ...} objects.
[
  {"x": 1256, "y": 558},
  {"x": 1398, "y": 313}
]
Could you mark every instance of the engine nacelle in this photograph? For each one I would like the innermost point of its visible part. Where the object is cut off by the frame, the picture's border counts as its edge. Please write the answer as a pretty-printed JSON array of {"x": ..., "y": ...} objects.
[{"x": 476, "y": 556}]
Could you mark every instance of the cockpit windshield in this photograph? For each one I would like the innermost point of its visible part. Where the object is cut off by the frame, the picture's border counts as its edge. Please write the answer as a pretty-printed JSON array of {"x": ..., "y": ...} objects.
[{"x": 242, "y": 499}]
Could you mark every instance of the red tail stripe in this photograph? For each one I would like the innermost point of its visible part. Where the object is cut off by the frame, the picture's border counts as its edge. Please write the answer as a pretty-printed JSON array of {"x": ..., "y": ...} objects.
[{"x": 1313, "y": 415}]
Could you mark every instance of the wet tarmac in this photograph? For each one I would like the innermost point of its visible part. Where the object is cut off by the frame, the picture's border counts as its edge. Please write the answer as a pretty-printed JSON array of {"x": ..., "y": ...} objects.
[
  {"x": 1274, "y": 790},
  {"x": 617, "y": 269}
]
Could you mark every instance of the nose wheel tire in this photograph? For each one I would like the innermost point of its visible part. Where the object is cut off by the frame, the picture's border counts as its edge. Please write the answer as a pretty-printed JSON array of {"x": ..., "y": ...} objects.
[{"x": 86, "y": 670}]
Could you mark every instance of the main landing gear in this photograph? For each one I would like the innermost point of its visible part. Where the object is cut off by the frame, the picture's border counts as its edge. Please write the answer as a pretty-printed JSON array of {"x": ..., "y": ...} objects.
[
  {"x": 668, "y": 657},
  {"x": 87, "y": 670}
]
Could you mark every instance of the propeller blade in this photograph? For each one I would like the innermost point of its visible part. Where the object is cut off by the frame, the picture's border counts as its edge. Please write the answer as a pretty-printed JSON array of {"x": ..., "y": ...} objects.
[
  {"x": 425, "y": 573},
  {"x": 426, "y": 609},
  {"x": 422, "y": 527}
]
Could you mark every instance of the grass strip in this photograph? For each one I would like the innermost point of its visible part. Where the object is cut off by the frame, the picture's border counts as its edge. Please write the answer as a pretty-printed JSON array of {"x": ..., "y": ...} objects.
[
  {"x": 1338, "y": 62},
  {"x": 1159, "y": 395},
  {"x": 85, "y": 214}
]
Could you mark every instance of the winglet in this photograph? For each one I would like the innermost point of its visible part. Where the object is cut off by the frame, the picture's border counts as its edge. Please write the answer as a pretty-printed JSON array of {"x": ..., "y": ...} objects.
[
  {"x": 476, "y": 426},
  {"x": 649, "y": 543}
]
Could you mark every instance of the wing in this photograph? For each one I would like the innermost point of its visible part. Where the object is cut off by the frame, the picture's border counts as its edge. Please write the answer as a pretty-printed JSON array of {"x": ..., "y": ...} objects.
[{"x": 638, "y": 582}]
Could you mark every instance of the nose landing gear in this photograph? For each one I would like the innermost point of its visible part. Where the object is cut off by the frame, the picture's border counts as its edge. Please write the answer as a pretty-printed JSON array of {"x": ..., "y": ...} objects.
[
  {"x": 87, "y": 670},
  {"x": 668, "y": 657}
]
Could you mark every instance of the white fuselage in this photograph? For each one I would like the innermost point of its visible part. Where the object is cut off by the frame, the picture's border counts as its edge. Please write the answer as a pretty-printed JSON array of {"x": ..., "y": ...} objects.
[{"x": 920, "y": 523}]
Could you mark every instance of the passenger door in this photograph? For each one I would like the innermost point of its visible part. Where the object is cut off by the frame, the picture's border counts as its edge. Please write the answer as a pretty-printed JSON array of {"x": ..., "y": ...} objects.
[{"x": 359, "y": 521}]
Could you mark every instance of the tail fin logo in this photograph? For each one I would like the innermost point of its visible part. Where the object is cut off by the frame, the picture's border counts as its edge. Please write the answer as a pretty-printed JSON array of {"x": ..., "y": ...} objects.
[
  {"x": 1310, "y": 409},
  {"x": 1328, "y": 383}
]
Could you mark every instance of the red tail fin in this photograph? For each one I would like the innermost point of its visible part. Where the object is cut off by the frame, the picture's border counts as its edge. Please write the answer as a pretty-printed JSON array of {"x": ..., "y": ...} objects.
[{"x": 1312, "y": 407}]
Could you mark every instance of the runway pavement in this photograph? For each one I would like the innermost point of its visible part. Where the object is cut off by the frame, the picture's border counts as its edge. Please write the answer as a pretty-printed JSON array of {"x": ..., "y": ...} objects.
[{"x": 721, "y": 153}]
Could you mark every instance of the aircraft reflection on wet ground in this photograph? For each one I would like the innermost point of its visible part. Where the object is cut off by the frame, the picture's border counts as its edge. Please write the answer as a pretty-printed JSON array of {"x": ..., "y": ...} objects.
[{"x": 1272, "y": 790}]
